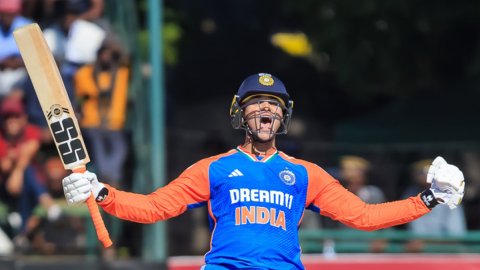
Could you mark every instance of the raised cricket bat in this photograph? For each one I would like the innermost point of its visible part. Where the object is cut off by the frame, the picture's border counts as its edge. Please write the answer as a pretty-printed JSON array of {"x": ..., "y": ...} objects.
[{"x": 58, "y": 111}]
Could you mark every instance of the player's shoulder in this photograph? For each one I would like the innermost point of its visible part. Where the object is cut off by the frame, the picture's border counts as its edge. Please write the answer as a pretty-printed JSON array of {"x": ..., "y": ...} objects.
[
  {"x": 295, "y": 160},
  {"x": 307, "y": 164},
  {"x": 205, "y": 162}
]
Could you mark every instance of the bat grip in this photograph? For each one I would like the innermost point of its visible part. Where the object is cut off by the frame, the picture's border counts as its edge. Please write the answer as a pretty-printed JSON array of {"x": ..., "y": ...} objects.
[{"x": 100, "y": 228}]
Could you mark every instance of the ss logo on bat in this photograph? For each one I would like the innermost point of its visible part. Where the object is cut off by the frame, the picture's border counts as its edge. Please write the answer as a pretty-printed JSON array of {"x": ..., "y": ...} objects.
[{"x": 66, "y": 136}]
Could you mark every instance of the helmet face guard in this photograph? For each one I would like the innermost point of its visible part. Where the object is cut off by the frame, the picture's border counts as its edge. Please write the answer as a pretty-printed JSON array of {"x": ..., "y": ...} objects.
[{"x": 240, "y": 121}]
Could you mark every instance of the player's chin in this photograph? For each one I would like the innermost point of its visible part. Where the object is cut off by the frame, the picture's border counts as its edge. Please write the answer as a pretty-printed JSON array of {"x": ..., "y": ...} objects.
[{"x": 264, "y": 136}]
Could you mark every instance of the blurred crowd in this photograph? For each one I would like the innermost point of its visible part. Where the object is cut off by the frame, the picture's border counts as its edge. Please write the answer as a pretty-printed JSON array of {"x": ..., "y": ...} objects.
[{"x": 95, "y": 70}]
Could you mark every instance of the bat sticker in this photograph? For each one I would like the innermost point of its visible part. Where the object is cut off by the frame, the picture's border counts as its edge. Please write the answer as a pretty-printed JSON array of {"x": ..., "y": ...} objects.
[
  {"x": 65, "y": 134},
  {"x": 57, "y": 111},
  {"x": 69, "y": 145}
]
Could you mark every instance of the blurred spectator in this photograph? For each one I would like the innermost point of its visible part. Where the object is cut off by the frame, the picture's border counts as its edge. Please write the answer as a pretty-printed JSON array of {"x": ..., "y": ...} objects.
[
  {"x": 58, "y": 36},
  {"x": 65, "y": 235},
  {"x": 19, "y": 187},
  {"x": 73, "y": 41},
  {"x": 70, "y": 29},
  {"x": 57, "y": 33},
  {"x": 24, "y": 91},
  {"x": 354, "y": 172},
  {"x": 90, "y": 10},
  {"x": 441, "y": 221},
  {"x": 11, "y": 64},
  {"x": 102, "y": 91},
  {"x": 45, "y": 12},
  {"x": 471, "y": 200},
  {"x": 354, "y": 175},
  {"x": 54, "y": 172}
]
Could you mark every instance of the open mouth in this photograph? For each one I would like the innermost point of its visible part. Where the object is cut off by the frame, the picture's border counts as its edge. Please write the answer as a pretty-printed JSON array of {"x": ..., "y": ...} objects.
[{"x": 265, "y": 122}]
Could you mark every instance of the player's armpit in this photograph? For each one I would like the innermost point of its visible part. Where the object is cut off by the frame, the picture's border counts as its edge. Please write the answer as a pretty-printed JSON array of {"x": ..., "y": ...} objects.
[{"x": 340, "y": 204}]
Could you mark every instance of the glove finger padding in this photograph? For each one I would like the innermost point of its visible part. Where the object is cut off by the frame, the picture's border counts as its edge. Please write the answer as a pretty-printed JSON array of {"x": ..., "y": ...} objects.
[
  {"x": 455, "y": 200},
  {"x": 436, "y": 164},
  {"x": 81, "y": 189},
  {"x": 449, "y": 178},
  {"x": 77, "y": 188},
  {"x": 450, "y": 199},
  {"x": 80, "y": 183},
  {"x": 74, "y": 180},
  {"x": 77, "y": 199},
  {"x": 457, "y": 197},
  {"x": 448, "y": 182}
]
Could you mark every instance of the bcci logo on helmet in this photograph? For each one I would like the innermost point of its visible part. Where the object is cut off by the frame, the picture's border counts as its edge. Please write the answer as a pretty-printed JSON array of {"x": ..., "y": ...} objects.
[
  {"x": 265, "y": 79},
  {"x": 287, "y": 177}
]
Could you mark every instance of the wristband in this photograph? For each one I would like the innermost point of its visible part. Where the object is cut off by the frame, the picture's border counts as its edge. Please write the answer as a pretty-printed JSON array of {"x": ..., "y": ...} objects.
[
  {"x": 102, "y": 195},
  {"x": 428, "y": 198}
]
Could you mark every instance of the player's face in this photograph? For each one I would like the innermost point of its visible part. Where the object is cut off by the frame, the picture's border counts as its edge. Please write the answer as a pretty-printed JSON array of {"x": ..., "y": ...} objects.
[{"x": 263, "y": 116}]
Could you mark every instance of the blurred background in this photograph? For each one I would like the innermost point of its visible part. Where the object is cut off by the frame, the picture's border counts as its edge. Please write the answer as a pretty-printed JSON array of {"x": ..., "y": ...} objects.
[{"x": 380, "y": 88}]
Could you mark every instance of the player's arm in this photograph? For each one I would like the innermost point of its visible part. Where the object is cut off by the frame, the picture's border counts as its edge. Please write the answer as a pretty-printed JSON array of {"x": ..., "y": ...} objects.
[
  {"x": 190, "y": 188},
  {"x": 333, "y": 200},
  {"x": 340, "y": 204}
]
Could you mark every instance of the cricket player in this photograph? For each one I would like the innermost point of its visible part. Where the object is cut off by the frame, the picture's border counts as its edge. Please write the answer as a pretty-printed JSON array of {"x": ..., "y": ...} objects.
[{"x": 256, "y": 195}]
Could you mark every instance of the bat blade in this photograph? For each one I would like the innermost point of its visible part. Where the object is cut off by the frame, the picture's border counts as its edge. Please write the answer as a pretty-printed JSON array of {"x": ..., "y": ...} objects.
[
  {"x": 52, "y": 96},
  {"x": 57, "y": 108}
]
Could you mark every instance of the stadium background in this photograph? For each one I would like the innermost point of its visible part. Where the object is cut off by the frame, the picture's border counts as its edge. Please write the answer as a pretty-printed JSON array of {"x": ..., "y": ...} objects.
[{"x": 392, "y": 81}]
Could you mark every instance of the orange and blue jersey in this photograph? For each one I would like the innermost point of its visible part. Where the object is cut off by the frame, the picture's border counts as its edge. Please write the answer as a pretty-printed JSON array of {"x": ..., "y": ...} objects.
[{"x": 256, "y": 206}]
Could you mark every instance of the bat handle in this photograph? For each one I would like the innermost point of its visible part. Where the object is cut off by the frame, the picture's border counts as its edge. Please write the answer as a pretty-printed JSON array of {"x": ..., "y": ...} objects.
[{"x": 100, "y": 228}]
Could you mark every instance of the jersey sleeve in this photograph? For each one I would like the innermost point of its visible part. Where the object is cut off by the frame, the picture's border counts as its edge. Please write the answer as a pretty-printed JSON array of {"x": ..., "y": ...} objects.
[
  {"x": 326, "y": 195},
  {"x": 190, "y": 188}
]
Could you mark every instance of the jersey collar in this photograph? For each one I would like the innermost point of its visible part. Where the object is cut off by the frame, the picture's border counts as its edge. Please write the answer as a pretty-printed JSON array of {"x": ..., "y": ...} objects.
[{"x": 253, "y": 157}]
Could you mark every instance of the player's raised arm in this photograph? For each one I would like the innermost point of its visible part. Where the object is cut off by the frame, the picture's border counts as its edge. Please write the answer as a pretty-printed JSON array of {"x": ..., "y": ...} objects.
[
  {"x": 336, "y": 202},
  {"x": 188, "y": 190}
]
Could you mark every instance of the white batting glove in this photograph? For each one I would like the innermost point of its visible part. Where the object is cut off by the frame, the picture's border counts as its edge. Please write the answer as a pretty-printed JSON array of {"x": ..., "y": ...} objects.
[
  {"x": 78, "y": 186},
  {"x": 448, "y": 182}
]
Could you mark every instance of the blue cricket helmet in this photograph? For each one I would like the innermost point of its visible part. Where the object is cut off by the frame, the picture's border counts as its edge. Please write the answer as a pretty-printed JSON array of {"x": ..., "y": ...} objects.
[
  {"x": 263, "y": 83},
  {"x": 260, "y": 84}
]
